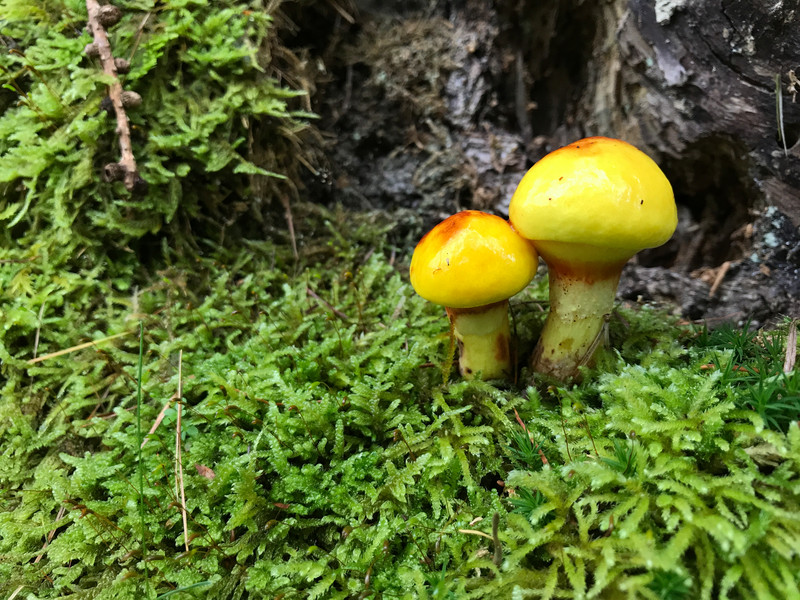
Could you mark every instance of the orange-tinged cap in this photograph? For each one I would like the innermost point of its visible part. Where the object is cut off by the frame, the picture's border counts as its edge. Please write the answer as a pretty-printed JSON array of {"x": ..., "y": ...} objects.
[
  {"x": 472, "y": 259},
  {"x": 598, "y": 192}
]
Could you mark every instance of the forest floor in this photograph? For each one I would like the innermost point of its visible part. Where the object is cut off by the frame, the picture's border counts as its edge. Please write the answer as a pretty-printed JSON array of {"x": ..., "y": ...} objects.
[
  {"x": 282, "y": 417},
  {"x": 306, "y": 413}
]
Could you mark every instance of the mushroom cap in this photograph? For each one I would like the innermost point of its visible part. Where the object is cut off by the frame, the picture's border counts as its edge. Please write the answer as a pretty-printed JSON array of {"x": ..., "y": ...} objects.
[
  {"x": 601, "y": 193},
  {"x": 472, "y": 259}
]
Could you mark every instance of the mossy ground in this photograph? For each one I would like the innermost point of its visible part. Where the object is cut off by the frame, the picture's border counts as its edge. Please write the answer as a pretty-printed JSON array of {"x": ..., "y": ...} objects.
[
  {"x": 323, "y": 455},
  {"x": 326, "y": 448}
]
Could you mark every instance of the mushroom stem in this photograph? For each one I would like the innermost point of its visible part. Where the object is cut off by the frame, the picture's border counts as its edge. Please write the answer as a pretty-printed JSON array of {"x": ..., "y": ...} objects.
[
  {"x": 579, "y": 306},
  {"x": 483, "y": 337}
]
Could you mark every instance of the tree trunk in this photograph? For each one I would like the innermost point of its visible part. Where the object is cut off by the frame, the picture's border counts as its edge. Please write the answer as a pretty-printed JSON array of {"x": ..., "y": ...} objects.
[
  {"x": 441, "y": 106},
  {"x": 706, "y": 87},
  {"x": 693, "y": 83}
]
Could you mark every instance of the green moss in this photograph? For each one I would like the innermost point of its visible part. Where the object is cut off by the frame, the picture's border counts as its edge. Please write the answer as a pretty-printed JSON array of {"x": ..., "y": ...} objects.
[
  {"x": 324, "y": 457},
  {"x": 210, "y": 94},
  {"x": 326, "y": 451}
]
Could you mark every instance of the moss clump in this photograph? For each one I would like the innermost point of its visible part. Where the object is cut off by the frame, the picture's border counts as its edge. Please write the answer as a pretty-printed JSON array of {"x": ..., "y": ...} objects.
[
  {"x": 318, "y": 449},
  {"x": 325, "y": 451},
  {"x": 324, "y": 456},
  {"x": 215, "y": 136},
  {"x": 655, "y": 476}
]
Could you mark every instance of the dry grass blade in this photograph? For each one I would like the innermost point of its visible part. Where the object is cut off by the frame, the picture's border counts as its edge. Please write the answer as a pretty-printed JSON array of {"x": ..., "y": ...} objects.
[
  {"x": 159, "y": 418},
  {"x": 16, "y": 591},
  {"x": 342, "y": 12},
  {"x": 38, "y": 331},
  {"x": 78, "y": 347},
  {"x": 399, "y": 308},
  {"x": 178, "y": 459},
  {"x": 139, "y": 33},
  {"x": 779, "y": 112},
  {"x": 287, "y": 212},
  {"x": 476, "y": 532},
  {"x": 791, "y": 348}
]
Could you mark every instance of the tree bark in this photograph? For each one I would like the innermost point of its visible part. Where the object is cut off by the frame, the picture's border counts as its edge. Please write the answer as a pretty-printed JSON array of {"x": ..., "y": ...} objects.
[
  {"x": 694, "y": 83},
  {"x": 441, "y": 106},
  {"x": 707, "y": 88}
]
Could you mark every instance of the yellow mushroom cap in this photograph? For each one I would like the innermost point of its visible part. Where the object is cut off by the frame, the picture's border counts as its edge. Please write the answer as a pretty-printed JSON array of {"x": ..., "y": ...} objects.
[
  {"x": 472, "y": 259},
  {"x": 599, "y": 193}
]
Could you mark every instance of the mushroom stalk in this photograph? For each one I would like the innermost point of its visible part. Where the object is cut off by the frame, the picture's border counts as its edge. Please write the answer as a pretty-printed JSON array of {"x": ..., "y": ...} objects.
[
  {"x": 483, "y": 337},
  {"x": 588, "y": 208},
  {"x": 472, "y": 263},
  {"x": 579, "y": 307}
]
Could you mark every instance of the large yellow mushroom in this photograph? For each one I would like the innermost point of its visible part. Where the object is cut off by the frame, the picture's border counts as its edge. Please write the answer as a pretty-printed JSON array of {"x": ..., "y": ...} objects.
[
  {"x": 588, "y": 208},
  {"x": 472, "y": 263}
]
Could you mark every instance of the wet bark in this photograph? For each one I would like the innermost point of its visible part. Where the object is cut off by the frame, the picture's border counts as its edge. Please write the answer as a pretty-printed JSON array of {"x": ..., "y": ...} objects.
[
  {"x": 706, "y": 87},
  {"x": 693, "y": 83},
  {"x": 434, "y": 107}
]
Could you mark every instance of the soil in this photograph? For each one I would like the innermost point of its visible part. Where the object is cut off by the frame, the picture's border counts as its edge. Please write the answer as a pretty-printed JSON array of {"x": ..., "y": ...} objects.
[{"x": 435, "y": 107}]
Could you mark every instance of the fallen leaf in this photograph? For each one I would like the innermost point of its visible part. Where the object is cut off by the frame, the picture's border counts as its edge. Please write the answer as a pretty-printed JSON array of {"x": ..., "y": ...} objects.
[{"x": 205, "y": 471}]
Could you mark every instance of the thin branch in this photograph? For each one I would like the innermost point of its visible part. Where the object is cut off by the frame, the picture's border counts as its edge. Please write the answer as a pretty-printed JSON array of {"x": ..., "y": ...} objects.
[
  {"x": 126, "y": 168},
  {"x": 39, "y": 359}
]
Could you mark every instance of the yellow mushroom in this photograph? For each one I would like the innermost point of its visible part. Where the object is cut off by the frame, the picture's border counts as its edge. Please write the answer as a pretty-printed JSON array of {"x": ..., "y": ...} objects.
[
  {"x": 472, "y": 263},
  {"x": 588, "y": 208}
]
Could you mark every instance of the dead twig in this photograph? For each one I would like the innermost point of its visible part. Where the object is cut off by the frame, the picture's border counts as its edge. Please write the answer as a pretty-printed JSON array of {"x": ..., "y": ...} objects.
[{"x": 101, "y": 16}]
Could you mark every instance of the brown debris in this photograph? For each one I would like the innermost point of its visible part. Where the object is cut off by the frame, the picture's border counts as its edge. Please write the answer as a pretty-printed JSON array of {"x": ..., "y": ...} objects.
[
  {"x": 205, "y": 471},
  {"x": 791, "y": 348},
  {"x": 712, "y": 276},
  {"x": 723, "y": 270}
]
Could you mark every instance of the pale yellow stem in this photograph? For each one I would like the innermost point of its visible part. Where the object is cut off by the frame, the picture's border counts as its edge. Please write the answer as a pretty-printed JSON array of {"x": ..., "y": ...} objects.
[
  {"x": 579, "y": 308},
  {"x": 483, "y": 340}
]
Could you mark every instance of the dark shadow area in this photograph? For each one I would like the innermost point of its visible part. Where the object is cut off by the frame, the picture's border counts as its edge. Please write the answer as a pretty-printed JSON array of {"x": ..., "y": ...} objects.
[{"x": 715, "y": 196}]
